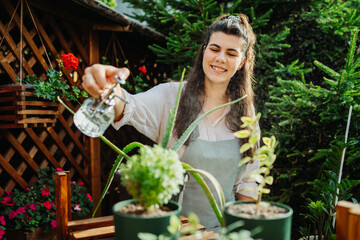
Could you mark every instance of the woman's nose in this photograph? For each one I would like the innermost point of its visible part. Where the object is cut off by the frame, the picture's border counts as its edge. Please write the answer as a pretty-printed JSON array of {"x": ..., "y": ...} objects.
[{"x": 221, "y": 57}]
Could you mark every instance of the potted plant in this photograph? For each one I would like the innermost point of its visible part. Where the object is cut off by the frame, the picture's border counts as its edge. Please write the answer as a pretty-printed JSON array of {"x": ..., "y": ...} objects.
[
  {"x": 32, "y": 103},
  {"x": 152, "y": 177},
  {"x": 273, "y": 218},
  {"x": 30, "y": 214}
]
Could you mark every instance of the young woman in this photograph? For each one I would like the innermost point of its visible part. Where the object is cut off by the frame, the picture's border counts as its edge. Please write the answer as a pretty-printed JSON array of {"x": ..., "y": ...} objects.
[{"x": 222, "y": 72}]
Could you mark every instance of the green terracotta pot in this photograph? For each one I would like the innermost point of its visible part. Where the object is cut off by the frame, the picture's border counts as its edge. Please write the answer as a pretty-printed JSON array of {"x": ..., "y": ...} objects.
[
  {"x": 128, "y": 226},
  {"x": 278, "y": 228}
]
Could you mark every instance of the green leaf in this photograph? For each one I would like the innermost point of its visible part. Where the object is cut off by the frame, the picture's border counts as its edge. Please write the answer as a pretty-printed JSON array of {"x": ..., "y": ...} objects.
[
  {"x": 245, "y": 147},
  {"x": 172, "y": 115},
  {"x": 192, "y": 126},
  {"x": 242, "y": 134}
]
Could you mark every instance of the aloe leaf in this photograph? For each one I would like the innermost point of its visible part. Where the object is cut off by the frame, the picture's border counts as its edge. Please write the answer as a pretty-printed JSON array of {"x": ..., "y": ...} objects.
[
  {"x": 196, "y": 174},
  {"x": 188, "y": 131},
  {"x": 115, "y": 167},
  {"x": 171, "y": 121}
]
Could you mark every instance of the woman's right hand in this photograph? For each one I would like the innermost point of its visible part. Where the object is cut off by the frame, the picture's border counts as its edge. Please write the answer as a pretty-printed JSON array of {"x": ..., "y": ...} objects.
[{"x": 97, "y": 78}]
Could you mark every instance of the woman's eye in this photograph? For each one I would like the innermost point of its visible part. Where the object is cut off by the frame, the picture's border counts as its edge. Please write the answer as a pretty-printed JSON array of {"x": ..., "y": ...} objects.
[
  {"x": 232, "y": 54},
  {"x": 214, "y": 50}
]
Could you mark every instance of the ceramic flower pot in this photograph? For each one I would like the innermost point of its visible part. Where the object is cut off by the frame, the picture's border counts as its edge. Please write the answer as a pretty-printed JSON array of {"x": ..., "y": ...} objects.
[
  {"x": 276, "y": 228},
  {"x": 128, "y": 226}
]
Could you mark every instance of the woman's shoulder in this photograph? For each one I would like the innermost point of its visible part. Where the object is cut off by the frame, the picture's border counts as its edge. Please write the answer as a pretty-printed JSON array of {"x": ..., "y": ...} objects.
[{"x": 168, "y": 87}]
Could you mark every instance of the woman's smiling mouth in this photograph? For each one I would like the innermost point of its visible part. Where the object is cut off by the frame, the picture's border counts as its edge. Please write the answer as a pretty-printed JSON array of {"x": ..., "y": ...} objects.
[{"x": 218, "y": 69}]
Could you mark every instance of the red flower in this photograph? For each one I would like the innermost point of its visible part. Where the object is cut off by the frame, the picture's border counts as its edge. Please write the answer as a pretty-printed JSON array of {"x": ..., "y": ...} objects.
[
  {"x": 53, "y": 223},
  {"x": 70, "y": 61},
  {"x": 142, "y": 69},
  {"x": 45, "y": 191},
  {"x": 7, "y": 200},
  {"x": 89, "y": 196},
  {"x": 77, "y": 208},
  {"x": 59, "y": 169},
  {"x": 2, "y": 220},
  {"x": 47, "y": 204},
  {"x": 2, "y": 232},
  {"x": 33, "y": 206},
  {"x": 12, "y": 214},
  {"x": 81, "y": 183},
  {"x": 20, "y": 210}
]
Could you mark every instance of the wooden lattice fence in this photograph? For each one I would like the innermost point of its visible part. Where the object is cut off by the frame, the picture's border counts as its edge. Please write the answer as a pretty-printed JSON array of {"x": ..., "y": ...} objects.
[{"x": 26, "y": 147}]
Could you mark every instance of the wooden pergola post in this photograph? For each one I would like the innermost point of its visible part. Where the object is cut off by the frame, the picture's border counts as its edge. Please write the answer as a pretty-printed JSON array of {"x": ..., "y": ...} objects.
[{"x": 95, "y": 164}]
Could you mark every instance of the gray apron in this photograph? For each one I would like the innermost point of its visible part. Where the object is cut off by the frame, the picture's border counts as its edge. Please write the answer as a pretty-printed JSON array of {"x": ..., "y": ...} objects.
[{"x": 221, "y": 159}]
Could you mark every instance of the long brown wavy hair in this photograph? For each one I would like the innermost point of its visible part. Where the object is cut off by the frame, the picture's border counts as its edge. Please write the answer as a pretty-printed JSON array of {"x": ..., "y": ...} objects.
[{"x": 193, "y": 96}]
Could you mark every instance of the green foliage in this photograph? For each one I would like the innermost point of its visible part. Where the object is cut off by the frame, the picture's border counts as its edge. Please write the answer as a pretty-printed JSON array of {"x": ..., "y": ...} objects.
[
  {"x": 264, "y": 155},
  {"x": 34, "y": 207},
  {"x": 153, "y": 175},
  {"x": 110, "y": 3},
  {"x": 53, "y": 87}
]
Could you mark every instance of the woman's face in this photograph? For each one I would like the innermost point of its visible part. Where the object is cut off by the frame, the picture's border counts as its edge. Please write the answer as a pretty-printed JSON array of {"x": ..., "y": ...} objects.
[{"x": 223, "y": 56}]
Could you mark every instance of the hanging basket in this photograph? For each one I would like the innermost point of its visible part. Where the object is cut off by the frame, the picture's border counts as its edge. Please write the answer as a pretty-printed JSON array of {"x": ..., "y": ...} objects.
[{"x": 20, "y": 108}]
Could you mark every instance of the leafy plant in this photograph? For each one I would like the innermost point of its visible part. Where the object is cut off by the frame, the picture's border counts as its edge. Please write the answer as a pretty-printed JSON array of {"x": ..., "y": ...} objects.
[
  {"x": 264, "y": 155},
  {"x": 54, "y": 86},
  {"x": 152, "y": 176},
  {"x": 35, "y": 207},
  {"x": 226, "y": 233}
]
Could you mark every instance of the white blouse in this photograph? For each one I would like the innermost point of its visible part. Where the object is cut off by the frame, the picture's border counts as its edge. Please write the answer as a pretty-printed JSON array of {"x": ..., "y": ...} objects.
[{"x": 148, "y": 112}]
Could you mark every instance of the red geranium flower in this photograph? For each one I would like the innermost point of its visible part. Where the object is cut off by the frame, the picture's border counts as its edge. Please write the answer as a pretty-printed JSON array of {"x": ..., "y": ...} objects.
[
  {"x": 12, "y": 214},
  {"x": 70, "y": 61},
  {"x": 2, "y": 220},
  {"x": 2, "y": 232},
  {"x": 45, "y": 191},
  {"x": 7, "y": 200},
  {"x": 59, "y": 169},
  {"x": 53, "y": 223},
  {"x": 89, "y": 196},
  {"x": 20, "y": 210},
  {"x": 47, "y": 204},
  {"x": 142, "y": 69}
]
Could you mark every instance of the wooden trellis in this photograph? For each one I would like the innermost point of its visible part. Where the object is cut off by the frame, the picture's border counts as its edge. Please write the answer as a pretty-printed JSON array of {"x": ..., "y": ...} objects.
[{"x": 59, "y": 144}]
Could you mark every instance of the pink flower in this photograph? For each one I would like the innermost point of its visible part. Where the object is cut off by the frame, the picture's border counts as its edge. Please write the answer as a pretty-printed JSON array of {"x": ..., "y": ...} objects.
[
  {"x": 12, "y": 214},
  {"x": 89, "y": 196},
  {"x": 77, "y": 208},
  {"x": 20, "y": 210},
  {"x": 59, "y": 169},
  {"x": 53, "y": 223},
  {"x": 47, "y": 204},
  {"x": 7, "y": 200},
  {"x": 2, "y": 232},
  {"x": 33, "y": 206},
  {"x": 142, "y": 69},
  {"x": 73, "y": 182},
  {"x": 45, "y": 191},
  {"x": 27, "y": 189},
  {"x": 2, "y": 220},
  {"x": 81, "y": 183}
]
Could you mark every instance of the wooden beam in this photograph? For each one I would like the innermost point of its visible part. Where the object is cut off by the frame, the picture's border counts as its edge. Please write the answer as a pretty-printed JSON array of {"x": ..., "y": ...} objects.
[
  {"x": 112, "y": 28},
  {"x": 12, "y": 172},
  {"x": 42, "y": 147},
  {"x": 95, "y": 153},
  {"x": 67, "y": 153},
  {"x": 30, "y": 161},
  {"x": 63, "y": 207}
]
